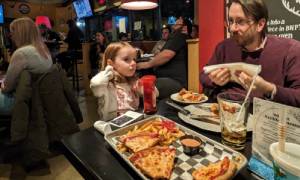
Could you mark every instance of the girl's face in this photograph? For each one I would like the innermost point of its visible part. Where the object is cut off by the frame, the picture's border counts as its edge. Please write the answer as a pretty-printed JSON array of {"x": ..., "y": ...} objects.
[{"x": 124, "y": 62}]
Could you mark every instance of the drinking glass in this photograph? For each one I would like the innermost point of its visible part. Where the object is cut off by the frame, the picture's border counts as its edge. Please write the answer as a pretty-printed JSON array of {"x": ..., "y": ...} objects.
[
  {"x": 149, "y": 96},
  {"x": 233, "y": 119}
]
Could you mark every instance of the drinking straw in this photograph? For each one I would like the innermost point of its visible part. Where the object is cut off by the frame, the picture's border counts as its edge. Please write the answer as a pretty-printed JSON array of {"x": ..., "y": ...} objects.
[
  {"x": 247, "y": 95},
  {"x": 282, "y": 132}
]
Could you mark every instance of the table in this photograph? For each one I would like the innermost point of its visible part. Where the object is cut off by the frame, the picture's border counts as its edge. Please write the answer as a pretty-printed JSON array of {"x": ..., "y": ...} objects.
[{"x": 93, "y": 158}]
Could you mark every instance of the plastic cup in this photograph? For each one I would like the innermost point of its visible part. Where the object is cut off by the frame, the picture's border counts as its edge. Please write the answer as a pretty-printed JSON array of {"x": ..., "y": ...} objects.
[
  {"x": 233, "y": 122},
  {"x": 149, "y": 95},
  {"x": 286, "y": 165}
]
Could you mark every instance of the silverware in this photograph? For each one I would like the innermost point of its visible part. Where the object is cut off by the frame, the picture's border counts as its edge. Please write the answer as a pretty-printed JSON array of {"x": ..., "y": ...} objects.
[{"x": 185, "y": 112}]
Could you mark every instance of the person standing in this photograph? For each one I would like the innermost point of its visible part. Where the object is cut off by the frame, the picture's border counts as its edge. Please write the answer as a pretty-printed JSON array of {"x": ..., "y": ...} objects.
[{"x": 279, "y": 57}]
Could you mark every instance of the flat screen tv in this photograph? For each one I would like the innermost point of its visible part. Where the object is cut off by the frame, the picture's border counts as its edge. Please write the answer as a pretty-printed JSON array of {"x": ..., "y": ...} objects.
[
  {"x": 171, "y": 20},
  {"x": 1, "y": 14},
  {"x": 82, "y": 8}
]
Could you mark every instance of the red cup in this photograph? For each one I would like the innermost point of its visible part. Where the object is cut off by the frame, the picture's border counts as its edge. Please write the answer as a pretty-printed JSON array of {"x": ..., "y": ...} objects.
[{"x": 149, "y": 96}]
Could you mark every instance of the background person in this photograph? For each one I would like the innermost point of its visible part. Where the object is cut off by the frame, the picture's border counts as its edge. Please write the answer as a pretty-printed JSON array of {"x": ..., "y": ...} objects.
[
  {"x": 171, "y": 63},
  {"x": 32, "y": 54},
  {"x": 160, "y": 44},
  {"x": 195, "y": 31},
  {"x": 279, "y": 57},
  {"x": 73, "y": 39},
  {"x": 96, "y": 51}
]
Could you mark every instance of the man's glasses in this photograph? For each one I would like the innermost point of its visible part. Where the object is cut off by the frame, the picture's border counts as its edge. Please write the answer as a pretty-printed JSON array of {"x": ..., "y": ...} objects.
[{"x": 239, "y": 22}]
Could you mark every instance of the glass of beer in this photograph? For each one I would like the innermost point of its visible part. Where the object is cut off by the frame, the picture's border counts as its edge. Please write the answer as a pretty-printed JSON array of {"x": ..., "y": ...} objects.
[{"x": 233, "y": 115}]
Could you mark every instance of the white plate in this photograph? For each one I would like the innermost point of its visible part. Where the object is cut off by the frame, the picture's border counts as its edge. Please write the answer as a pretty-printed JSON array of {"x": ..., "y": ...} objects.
[
  {"x": 206, "y": 125},
  {"x": 174, "y": 98}
]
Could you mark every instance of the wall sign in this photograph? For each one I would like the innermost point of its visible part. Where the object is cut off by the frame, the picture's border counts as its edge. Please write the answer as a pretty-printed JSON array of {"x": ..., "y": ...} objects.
[{"x": 24, "y": 8}]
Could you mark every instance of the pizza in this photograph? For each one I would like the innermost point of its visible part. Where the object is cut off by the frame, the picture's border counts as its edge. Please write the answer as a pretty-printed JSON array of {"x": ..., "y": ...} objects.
[
  {"x": 156, "y": 162},
  {"x": 189, "y": 96},
  {"x": 221, "y": 170},
  {"x": 141, "y": 140}
]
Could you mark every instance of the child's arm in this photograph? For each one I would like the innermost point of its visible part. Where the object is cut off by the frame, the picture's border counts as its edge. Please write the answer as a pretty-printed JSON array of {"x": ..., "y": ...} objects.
[{"x": 101, "y": 80}]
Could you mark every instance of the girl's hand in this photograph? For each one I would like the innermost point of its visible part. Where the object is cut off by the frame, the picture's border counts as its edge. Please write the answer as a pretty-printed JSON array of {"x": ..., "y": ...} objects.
[
  {"x": 108, "y": 72},
  {"x": 220, "y": 76}
]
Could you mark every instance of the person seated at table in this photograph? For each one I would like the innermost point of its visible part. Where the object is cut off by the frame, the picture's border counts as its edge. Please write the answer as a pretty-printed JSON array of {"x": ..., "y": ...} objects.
[
  {"x": 279, "y": 57},
  {"x": 117, "y": 86},
  {"x": 97, "y": 49},
  {"x": 195, "y": 31},
  {"x": 123, "y": 36},
  {"x": 51, "y": 39},
  {"x": 32, "y": 54},
  {"x": 171, "y": 63},
  {"x": 73, "y": 39},
  {"x": 160, "y": 44}
]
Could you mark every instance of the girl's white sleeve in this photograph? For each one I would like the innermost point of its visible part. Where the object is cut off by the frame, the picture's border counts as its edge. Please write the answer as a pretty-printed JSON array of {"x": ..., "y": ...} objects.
[{"x": 99, "y": 84}]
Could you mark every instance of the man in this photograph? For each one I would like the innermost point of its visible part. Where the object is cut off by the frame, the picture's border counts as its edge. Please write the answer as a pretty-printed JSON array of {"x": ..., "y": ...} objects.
[
  {"x": 195, "y": 33},
  {"x": 279, "y": 79},
  {"x": 171, "y": 63},
  {"x": 160, "y": 44}
]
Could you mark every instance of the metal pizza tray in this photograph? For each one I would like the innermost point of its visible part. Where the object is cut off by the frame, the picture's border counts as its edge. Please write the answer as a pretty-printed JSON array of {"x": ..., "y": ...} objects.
[{"x": 184, "y": 164}]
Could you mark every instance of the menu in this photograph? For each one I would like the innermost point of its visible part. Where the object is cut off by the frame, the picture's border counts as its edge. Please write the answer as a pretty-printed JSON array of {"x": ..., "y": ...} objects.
[{"x": 267, "y": 115}]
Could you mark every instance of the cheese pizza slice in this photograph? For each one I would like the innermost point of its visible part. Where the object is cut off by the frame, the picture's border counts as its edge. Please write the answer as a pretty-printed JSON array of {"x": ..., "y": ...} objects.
[
  {"x": 221, "y": 170},
  {"x": 156, "y": 162},
  {"x": 139, "y": 141}
]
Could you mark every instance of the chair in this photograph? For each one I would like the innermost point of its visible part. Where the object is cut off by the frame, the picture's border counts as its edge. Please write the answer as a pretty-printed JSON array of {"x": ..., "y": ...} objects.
[
  {"x": 76, "y": 58},
  {"x": 45, "y": 110}
]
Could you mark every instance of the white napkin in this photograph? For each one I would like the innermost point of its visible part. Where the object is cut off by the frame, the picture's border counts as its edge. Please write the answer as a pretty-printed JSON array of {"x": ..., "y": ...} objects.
[
  {"x": 103, "y": 127},
  {"x": 250, "y": 69}
]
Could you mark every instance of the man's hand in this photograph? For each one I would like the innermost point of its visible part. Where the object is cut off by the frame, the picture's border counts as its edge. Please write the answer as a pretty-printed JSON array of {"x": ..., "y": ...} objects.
[
  {"x": 220, "y": 76},
  {"x": 260, "y": 84}
]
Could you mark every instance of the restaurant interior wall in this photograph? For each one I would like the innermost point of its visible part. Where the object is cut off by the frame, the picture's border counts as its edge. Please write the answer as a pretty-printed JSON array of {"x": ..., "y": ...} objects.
[
  {"x": 211, "y": 28},
  {"x": 59, "y": 15}
]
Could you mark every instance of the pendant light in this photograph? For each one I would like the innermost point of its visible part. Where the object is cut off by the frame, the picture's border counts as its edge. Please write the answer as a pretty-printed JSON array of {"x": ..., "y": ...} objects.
[{"x": 138, "y": 4}]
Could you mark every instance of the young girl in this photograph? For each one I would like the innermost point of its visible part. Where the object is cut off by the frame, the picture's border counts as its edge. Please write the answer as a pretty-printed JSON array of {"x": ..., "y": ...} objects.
[{"x": 116, "y": 86}]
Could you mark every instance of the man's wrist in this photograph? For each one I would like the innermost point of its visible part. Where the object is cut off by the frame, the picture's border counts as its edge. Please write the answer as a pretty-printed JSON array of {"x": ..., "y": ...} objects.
[{"x": 271, "y": 92}]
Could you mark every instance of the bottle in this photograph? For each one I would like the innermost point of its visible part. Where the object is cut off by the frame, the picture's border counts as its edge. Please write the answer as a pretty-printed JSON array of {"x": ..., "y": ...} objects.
[{"x": 149, "y": 95}]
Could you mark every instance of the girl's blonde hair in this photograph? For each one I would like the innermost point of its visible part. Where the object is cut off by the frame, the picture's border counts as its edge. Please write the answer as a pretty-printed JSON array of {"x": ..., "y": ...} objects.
[
  {"x": 25, "y": 32},
  {"x": 110, "y": 53}
]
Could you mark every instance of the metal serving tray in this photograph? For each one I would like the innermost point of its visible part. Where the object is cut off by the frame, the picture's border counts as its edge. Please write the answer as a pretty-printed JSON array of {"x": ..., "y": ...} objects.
[{"x": 184, "y": 164}]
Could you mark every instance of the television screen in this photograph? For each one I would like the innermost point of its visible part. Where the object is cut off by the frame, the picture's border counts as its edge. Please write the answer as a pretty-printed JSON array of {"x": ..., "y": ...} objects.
[
  {"x": 82, "y": 8},
  {"x": 1, "y": 14},
  {"x": 171, "y": 20}
]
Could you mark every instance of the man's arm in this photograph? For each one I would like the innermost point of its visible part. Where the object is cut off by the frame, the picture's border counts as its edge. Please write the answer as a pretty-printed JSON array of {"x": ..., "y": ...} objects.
[{"x": 161, "y": 58}]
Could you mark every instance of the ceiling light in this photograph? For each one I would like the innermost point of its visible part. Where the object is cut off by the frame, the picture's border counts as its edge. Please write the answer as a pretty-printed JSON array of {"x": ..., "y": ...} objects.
[{"x": 138, "y": 4}]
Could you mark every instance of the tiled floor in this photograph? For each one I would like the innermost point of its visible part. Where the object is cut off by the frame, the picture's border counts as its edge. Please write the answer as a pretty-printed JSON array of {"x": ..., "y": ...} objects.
[{"x": 60, "y": 167}]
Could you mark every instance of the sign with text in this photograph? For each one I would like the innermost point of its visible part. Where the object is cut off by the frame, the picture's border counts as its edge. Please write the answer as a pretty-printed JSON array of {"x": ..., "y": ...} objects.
[
  {"x": 284, "y": 18},
  {"x": 267, "y": 115}
]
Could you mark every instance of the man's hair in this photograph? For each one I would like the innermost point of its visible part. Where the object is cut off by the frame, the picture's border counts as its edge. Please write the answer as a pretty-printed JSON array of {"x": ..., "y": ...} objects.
[
  {"x": 256, "y": 9},
  {"x": 166, "y": 27}
]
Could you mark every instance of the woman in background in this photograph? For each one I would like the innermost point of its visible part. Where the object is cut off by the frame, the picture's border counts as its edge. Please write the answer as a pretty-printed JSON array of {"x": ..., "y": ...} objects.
[
  {"x": 32, "y": 54},
  {"x": 97, "y": 49}
]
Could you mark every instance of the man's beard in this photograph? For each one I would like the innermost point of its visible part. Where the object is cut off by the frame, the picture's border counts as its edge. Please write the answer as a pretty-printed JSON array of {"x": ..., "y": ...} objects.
[{"x": 243, "y": 41}]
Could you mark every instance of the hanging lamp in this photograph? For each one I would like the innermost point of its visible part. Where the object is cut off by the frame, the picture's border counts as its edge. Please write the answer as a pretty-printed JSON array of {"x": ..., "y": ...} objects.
[{"x": 138, "y": 4}]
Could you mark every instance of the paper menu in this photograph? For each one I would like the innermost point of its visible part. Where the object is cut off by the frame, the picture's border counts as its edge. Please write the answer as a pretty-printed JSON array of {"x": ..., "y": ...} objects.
[
  {"x": 267, "y": 114},
  {"x": 250, "y": 69}
]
